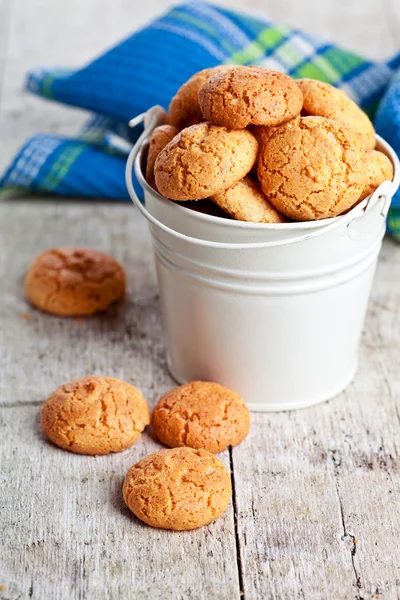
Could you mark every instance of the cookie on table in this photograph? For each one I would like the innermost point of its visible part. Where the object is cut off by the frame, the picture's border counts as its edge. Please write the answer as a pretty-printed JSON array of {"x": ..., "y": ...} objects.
[
  {"x": 178, "y": 489},
  {"x": 160, "y": 137},
  {"x": 202, "y": 160},
  {"x": 203, "y": 415},
  {"x": 325, "y": 174},
  {"x": 245, "y": 201},
  {"x": 184, "y": 109},
  {"x": 379, "y": 168},
  {"x": 95, "y": 415},
  {"x": 250, "y": 96},
  {"x": 74, "y": 281},
  {"x": 323, "y": 100}
]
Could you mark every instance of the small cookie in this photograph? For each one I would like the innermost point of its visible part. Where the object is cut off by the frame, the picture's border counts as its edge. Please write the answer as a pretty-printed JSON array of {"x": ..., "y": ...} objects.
[
  {"x": 245, "y": 201},
  {"x": 69, "y": 282},
  {"x": 323, "y": 100},
  {"x": 178, "y": 489},
  {"x": 160, "y": 137},
  {"x": 324, "y": 175},
  {"x": 379, "y": 168},
  {"x": 95, "y": 415},
  {"x": 202, "y": 160},
  {"x": 250, "y": 96},
  {"x": 203, "y": 415},
  {"x": 184, "y": 109}
]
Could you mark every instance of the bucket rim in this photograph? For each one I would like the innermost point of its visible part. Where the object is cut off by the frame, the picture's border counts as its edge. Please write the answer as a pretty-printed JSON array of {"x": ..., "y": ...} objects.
[{"x": 249, "y": 226}]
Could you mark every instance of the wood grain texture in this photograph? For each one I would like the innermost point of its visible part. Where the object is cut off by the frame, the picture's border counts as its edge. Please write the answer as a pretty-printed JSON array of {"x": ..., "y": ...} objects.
[{"x": 67, "y": 535}]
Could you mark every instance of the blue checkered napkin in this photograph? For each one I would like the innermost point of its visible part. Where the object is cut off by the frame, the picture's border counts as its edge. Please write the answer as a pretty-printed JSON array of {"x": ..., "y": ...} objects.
[{"x": 148, "y": 67}]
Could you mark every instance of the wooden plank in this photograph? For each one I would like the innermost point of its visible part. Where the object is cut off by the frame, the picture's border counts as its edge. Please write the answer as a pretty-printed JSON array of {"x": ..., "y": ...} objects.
[
  {"x": 317, "y": 490},
  {"x": 67, "y": 535},
  {"x": 5, "y": 17},
  {"x": 41, "y": 352}
]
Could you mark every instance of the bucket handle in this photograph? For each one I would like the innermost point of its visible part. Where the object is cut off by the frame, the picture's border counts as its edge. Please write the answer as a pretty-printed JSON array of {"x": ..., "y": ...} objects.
[{"x": 151, "y": 119}]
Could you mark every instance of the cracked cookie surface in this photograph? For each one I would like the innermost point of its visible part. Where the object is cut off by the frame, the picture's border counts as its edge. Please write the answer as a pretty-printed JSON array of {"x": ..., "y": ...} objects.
[
  {"x": 324, "y": 100},
  {"x": 160, "y": 137},
  {"x": 250, "y": 96},
  {"x": 314, "y": 170},
  {"x": 95, "y": 415},
  {"x": 202, "y": 160},
  {"x": 178, "y": 489},
  {"x": 184, "y": 109},
  {"x": 245, "y": 201},
  {"x": 378, "y": 168},
  {"x": 74, "y": 281},
  {"x": 203, "y": 415}
]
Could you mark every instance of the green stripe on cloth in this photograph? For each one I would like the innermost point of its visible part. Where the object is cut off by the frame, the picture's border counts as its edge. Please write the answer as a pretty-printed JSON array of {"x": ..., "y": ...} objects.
[
  {"x": 393, "y": 222},
  {"x": 61, "y": 166},
  {"x": 212, "y": 32},
  {"x": 267, "y": 40},
  {"x": 318, "y": 68},
  {"x": 288, "y": 55},
  {"x": 343, "y": 62}
]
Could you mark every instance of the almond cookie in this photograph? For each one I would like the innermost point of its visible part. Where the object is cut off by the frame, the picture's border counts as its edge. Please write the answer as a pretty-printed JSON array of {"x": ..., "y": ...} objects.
[
  {"x": 323, "y": 100},
  {"x": 184, "y": 109},
  {"x": 203, "y": 415},
  {"x": 178, "y": 489},
  {"x": 95, "y": 415},
  {"x": 245, "y": 201},
  {"x": 314, "y": 170},
  {"x": 250, "y": 96},
  {"x": 202, "y": 160},
  {"x": 160, "y": 137},
  {"x": 379, "y": 168},
  {"x": 74, "y": 281}
]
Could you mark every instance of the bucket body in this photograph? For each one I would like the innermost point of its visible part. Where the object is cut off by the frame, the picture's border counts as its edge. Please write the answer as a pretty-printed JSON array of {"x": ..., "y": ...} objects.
[{"x": 274, "y": 312}]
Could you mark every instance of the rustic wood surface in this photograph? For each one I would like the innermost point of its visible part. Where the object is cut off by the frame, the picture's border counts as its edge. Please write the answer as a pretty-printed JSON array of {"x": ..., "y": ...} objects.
[{"x": 315, "y": 491}]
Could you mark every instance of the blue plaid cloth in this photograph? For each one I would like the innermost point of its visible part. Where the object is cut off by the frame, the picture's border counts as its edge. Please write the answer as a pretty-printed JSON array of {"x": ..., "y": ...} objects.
[{"x": 148, "y": 67}]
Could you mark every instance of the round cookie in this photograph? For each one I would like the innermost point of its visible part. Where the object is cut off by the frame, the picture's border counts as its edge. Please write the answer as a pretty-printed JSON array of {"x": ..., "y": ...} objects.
[
  {"x": 160, "y": 137},
  {"x": 74, "y": 281},
  {"x": 378, "y": 168},
  {"x": 323, "y": 100},
  {"x": 324, "y": 176},
  {"x": 203, "y": 415},
  {"x": 250, "y": 96},
  {"x": 95, "y": 415},
  {"x": 184, "y": 109},
  {"x": 202, "y": 160},
  {"x": 245, "y": 201},
  {"x": 178, "y": 489}
]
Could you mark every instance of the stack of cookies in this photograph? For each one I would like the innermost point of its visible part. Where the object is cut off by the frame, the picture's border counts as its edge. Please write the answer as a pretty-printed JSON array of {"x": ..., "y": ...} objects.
[{"x": 265, "y": 148}]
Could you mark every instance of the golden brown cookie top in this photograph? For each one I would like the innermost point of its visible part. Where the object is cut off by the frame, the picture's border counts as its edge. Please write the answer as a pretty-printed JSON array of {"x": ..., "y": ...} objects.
[
  {"x": 245, "y": 201},
  {"x": 95, "y": 415},
  {"x": 178, "y": 489},
  {"x": 160, "y": 137},
  {"x": 379, "y": 168},
  {"x": 249, "y": 96},
  {"x": 324, "y": 100},
  {"x": 74, "y": 281},
  {"x": 314, "y": 170},
  {"x": 201, "y": 414},
  {"x": 203, "y": 159},
  {"x": 184, "y": 109}
]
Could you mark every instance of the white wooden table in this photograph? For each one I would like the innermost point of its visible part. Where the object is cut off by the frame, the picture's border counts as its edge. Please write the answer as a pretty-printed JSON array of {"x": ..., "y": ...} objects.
[{"x": 315, "y": 512}]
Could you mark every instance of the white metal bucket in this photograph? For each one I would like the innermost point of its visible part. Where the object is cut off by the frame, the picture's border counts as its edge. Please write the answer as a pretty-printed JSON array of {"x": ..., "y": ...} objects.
[{"x": 274, "y": 312}]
